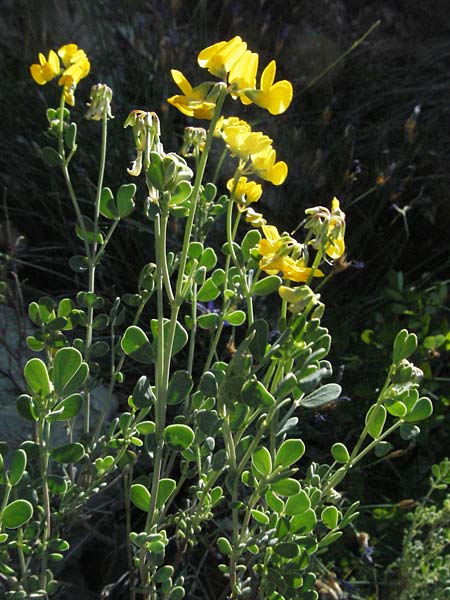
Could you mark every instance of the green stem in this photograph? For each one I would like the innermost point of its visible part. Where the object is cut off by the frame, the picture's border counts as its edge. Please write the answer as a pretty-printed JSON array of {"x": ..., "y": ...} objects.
[
  {"x": 44, "y": 437},
  {"x": 92, "y": 261},
  {"x": 23, "y": 566}
]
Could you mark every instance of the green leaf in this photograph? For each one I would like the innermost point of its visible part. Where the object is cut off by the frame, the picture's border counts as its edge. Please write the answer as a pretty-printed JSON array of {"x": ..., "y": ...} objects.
[
  {"x": 260, "y": 517},
  {"x": 323, "y": 395},
  {"x": 89, "y": 227},
  {"x": 224, "y": 546},
  {"x": 78, "y": 380},
  {"x": 286, "y": 487},
  {"x": 57, "y": 484},
  {"x": 180, "y": 338},
  {"x": 181, "y": 194},
  {"x": 68, "y": 453},
  {"x": 165, "y": 489},
  {"x": 396, "y": 409},
  {"x": 135, "y": 344},
  {"x": 36, "y": 376},
  {"x": 249, "y": 242},
  {"x": 409, "y": 431},
  {"x": 304, "y": 523},
  {"x": 208, "y": 259},
  {"x": 51, "y": 157},
  {"x": 266, "y": 286},
  {"x": 78, "y": 263},
  {"x": 143, "y": 395},
  {"x": 376, "y": 418},
  {"x": 108, "y": 207},
  {"x": 70, "y": 407},
  {"x": 25, "y": 407},
  {"x": 262, "y": 461},
  {"x": 17, "y": 514},
  {"x": 163, "y": 573},
  {"x": 180, "y": 386},
  {"x": 275, "y": 503},
  {"x": 178, "y": 437},
  {"x": 70, "y": 136},
  {"x": 66, "y": 363},
  {"x": 208, "y": 384},
  {"x": 125, "y": 202},
  {"x": 289, "y": 452},
  {"x": 34, "y": 344},
  {"x": 297, "y": 504},
  {"x": 209, "y": 321},
  {"x": 405, "y": 344},
  {"x": 287, "y": 549},
  {"x": 209, "y": 291},
  {"x": 330, "y": 517},
  {"x": 145, "y": 427},
  {"x": 140, "y": 496},
  {"x": 255, "y": 394},
  {"x": 260, "y": 332},
  {"x": 156, "y": 171},
  {"x": 208, "y": 421},
  {"x": 18, "y": 465},
  {"x": 176, "y": 593},
  {"x": 340, "y": 453},
  {"x": 422, "y": 409},
  {"x": 235, "y": 318}
]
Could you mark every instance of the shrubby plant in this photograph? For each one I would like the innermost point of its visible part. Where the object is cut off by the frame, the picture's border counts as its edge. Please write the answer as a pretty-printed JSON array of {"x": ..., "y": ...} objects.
[{"x": 216, "y": 425}]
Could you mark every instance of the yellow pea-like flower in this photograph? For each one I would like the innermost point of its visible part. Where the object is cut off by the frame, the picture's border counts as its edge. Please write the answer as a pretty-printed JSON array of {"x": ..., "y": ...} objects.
[
  {"x": 193, "y": 102},
  {"x": 275, "y": 97},
  {"x": 265, "y": 166},
  {"x": 245, "y": 192},
  {"x": 221, "y": 57},
  {"x": 47, "y": 68}
]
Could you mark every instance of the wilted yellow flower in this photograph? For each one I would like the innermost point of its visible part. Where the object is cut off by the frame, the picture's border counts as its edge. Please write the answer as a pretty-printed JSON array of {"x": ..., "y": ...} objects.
[
  {"x": 264, "y": 165},
  {"x": 194, "y": 102},
  {"x": 221, "y": 57},
  {"x": 275, "y": 97},
  {"x": 255, "y": 219},
  {"x": 328, "y": 229},
  {"x": 47, "y": 69},
  {"x": 244, "y": 192}
]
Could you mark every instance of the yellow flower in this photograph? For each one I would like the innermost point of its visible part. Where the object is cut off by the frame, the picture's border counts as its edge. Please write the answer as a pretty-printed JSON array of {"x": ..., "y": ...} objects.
[
  {"x": 47, "y": 69},
  {"x": 221, "y": 57},
  {"x": 194, "y": 102},
  {"x": 243, "y": 75},
  {"x": 271, "y": 248},
  {"x": 275, "y": 97},
  {"x": 264, "y": 165},
  {"x": 296, "y": 270},
  {"x": 244, "y": 143},
  {"x": 71, "y": 78},
  {"x": 224, "y": 122},
  {"x": 254, "y": 218},
  {"x": 245, "y": 192}
]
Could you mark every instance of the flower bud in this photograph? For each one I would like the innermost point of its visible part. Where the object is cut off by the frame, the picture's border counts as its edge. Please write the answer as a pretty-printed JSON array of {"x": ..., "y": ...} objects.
[
  {"x": 100, "y": 105},
  {"x": 193, "y": 141}
]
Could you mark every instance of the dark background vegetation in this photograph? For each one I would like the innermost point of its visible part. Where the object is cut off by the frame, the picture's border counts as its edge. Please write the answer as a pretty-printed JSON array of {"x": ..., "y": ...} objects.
[{"x": 373, "y": 131}]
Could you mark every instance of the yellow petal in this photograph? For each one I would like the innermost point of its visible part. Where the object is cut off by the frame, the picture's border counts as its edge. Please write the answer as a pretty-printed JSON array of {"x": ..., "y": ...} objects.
[
  {"x": 278, "y": 173},
  {"x": 36, "y": 74},
  {"x": 206, "y": 54},
  {"x": 336, "y": 248},
  {"x": 278, "y": 98},
  {"x": 66, "y": 52},
  {"x": 181, "y": 82},
  {"x": 268, "y": 76}
]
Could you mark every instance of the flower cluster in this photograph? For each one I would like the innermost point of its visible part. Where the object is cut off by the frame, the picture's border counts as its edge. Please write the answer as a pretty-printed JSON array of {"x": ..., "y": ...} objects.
[
  {"x": 253, "y": 148},
  {"x": 76, "y": 66},
  {"x": 281, "y": 253},
  {"x": 237, "y": 67}
]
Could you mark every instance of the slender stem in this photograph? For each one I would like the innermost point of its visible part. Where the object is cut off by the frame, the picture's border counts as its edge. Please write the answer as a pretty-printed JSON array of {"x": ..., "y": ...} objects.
[
  {"x": 43, "y": 447},
  {"x": 105, "y": 242},
  {"x": 92, "y": 260},
  {"x": 23, "y": 566}
]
